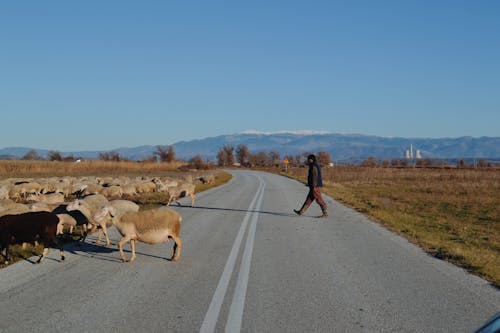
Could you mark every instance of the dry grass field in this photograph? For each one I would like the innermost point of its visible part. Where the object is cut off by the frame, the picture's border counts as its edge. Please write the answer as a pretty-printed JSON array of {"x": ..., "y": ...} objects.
[
  {"x": 453, "y": 214},
  {"x": 27, "y": 169},
  {"x": 34, "y": 169}
]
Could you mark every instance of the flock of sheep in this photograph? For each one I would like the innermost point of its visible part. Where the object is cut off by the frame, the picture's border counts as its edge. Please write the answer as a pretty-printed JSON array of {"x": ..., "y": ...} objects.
[{"x": 50, "y": 204}]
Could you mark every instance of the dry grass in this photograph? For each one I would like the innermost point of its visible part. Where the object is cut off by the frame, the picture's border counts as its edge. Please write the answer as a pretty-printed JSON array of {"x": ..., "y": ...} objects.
[
  {"x": 454, "y": 214},
  {"x": 31, "y": 169}
]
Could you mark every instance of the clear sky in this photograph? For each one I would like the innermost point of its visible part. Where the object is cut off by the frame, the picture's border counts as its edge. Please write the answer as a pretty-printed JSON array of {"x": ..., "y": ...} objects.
[{"x": 107, "y": 74}]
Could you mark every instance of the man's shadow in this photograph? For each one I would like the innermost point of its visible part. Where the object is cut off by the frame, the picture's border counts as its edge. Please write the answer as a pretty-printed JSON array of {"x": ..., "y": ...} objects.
[{"x": 235, "y": 210}]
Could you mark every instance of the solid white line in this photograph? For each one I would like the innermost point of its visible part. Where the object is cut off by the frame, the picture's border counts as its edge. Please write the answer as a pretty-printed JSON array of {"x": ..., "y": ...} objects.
[
  {"x": 208, "y": 325},
  {"x": 237, "y": 306}
]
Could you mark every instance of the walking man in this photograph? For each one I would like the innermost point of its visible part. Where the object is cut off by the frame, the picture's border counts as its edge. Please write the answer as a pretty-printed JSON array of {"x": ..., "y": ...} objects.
[{"x": 314, "y": 182}]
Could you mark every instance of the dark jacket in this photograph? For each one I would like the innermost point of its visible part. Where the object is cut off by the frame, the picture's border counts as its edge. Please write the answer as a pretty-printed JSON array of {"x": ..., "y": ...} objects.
[{"x": 314, "y": 178}]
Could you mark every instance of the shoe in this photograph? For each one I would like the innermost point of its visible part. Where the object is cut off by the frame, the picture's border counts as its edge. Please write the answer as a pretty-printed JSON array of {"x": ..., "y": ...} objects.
[
  {"x": 298, "y": 212},
  {"x": 325, "y": 213}
]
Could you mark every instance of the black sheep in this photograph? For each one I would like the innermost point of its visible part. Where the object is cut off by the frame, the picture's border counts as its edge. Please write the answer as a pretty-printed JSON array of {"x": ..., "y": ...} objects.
[{"x": 29, "y": 227}]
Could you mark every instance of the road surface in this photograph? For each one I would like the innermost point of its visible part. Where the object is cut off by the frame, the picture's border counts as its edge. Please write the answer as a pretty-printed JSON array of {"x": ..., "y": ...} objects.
[{"x": 249, "y": 265}]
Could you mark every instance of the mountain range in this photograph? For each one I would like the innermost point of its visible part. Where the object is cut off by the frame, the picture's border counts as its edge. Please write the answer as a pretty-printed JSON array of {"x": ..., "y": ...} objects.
[{"x": 340, "y": 146}]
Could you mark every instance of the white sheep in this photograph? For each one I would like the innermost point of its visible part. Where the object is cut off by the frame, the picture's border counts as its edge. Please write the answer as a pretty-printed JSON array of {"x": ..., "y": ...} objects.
[
  {"x": 151, "y": 227},
  {"x": 129, "y": 189},
  {"x": 52, "y": 198},
  {"x": 207, "y": 179},
  {"x": 19, "y": 191},
  {"x": 4, "y": 193},
  {"x": 145, "y": 187},
  {"x": 92, "y": 189},
  {"x": 13, "y": 208},
  {"x": 114, "y": 209},
  {"x": 88, "y": 206},
  {"x": 181, "y": 191},
  {"x": 113, "y": 191}
]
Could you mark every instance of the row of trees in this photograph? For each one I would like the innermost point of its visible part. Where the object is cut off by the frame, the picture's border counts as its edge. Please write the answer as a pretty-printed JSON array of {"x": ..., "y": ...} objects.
[
  {"x": 228, "y": 156},
  {"x": 423, "y": 163},
  {"x": 162, "y": 154}
]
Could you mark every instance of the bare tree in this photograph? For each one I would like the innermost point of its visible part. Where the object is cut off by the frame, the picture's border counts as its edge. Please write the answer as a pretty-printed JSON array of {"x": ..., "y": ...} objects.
[
  {"x": 242, "y": 154},
  {"x": 324, "y": 158},
  {"x": 274, "y": 157},
  {"x": 370, "y": 162},
  {"x": 198, "y": 163},
  {"x": 55, "y": 156},
  {"x": 298, "y": 159},
  {"x": 165, "y": 153},
  {"x": 225, "y": 156},
  {"x": 110, "y": 156},
  {"x": 222, "y": 157},
  {"x": 31, "y": 155}
]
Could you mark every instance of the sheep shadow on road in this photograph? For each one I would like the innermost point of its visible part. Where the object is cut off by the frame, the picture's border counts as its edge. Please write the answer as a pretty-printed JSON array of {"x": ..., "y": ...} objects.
[{"x": 101, "y": 252}]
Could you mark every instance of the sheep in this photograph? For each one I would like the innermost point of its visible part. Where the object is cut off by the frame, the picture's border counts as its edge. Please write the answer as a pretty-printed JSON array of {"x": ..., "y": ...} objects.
[
  {"x": 53, "y": 198},
  {"x": 29, "y": 227},
  {"x": 113, "y": 191},
  {"x": 92, "y": 189},
  {"x": 4, "y": 193},
  {"x": 64, "y": 219},
  {"x": 207, "y": 179},
  {"x": 151, "y": 227},
  {"x": 104, "y": 216},
  {"x": 6, "y": 204},
  {"x": 145, "y": 187},
  {"x": 162, "y": 185},
  {"x": 129, "y": 190},
  {"x": 95, "y": 201},
  {"x": 180, "y": 191},
  {"x": 15, "y": 208},
  {"x": 21, "y": 190},
  {"x": 87, "y": 206}
]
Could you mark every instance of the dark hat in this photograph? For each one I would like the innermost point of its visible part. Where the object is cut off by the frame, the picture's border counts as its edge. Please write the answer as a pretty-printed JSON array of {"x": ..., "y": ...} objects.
[{"x": 311, "y": 157}]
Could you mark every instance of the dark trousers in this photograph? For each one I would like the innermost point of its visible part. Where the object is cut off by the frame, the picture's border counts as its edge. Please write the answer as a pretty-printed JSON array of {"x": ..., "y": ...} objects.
[{"x": 314, "y": 194}]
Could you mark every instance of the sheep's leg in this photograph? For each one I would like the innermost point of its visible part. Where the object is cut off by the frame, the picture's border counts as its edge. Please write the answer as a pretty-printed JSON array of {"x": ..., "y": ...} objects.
[
  {"x": 193, "y": 197},
  {"x": 60, "y": 229},
  {"x": 99, "y": 235},
  {"x": 85, "y": 232},
  {"x": 132, "y": 245},
  {"x": 105, "y": 232},
  {"x": 120, "y": 247},
  {"x": 59, "y": 245},
  {"x": 177, "y": 248},
  {"x": 71, "y": 230},
  {"x": 44, "y": 254},
  {"x": 5, "y": 254}
]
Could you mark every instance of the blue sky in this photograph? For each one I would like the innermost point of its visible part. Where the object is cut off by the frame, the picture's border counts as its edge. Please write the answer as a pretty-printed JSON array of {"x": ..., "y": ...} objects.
[{"x": 108, "y": 74}]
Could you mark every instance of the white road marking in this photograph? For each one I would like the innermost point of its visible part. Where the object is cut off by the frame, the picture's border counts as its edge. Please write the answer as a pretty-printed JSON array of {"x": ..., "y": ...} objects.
[
  {"x": 237, "y": 306},
  {"x": 210, "y": 321}
]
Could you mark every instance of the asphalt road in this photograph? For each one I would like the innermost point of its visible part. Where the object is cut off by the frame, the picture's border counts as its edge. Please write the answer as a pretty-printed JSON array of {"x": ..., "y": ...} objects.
[{"x": 250, "y": 265}]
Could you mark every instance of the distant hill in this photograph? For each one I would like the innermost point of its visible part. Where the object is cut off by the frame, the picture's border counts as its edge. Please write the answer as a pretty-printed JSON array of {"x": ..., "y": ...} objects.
[{"x": 340, "y": 146}]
